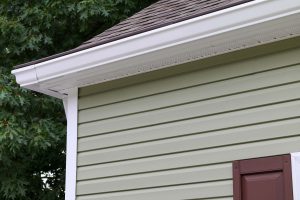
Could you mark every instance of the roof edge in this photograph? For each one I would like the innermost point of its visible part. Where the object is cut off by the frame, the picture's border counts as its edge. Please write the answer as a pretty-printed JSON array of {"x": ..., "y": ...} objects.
[
  {"x": 94, "y": 44},
  {"x": 219, "y": 32}
]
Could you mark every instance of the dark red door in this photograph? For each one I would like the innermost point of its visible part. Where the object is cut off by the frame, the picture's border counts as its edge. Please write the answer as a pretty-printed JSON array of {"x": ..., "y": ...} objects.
[{"x": 263, "y": 179}]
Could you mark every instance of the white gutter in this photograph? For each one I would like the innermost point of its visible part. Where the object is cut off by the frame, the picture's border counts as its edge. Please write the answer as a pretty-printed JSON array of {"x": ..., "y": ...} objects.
[{"x": 239, "y": 27}]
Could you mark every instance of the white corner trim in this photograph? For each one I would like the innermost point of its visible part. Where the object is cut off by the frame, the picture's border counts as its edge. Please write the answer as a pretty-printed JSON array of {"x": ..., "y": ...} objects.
[
  {"x": 295, "y": 157},
  {"x": 201, "y": 37},
  {"x": 71, "y": 150}
]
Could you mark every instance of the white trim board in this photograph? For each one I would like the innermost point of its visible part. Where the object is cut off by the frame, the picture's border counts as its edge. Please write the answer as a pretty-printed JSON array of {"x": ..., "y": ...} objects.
[
  {"x": 71, "y": 149},
  {"x": 213, "y": 34},
  {"x": 295, "y": 157}
]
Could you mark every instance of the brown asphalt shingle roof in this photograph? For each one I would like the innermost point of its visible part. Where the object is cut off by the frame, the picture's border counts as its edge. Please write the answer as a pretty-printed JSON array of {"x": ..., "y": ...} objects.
[{"x": 160, "y": 14}]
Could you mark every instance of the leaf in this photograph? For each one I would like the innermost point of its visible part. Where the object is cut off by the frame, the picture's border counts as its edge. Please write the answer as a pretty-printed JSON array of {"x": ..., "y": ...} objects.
[{"x": 32, "y": 125}]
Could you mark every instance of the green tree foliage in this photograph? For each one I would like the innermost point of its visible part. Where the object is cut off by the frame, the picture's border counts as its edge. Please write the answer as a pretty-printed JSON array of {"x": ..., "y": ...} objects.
[{"x": 32, "y": 125}]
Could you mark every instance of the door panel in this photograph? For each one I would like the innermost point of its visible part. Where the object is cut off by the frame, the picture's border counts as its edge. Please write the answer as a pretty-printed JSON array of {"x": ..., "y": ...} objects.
[
  {"x": 267, "y": 186},
  {"x": 267, "y": 178}
]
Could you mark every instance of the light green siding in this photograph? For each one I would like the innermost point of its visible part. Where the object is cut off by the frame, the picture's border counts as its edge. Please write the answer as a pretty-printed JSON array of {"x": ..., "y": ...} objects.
[{"x": 175, "y": 138}]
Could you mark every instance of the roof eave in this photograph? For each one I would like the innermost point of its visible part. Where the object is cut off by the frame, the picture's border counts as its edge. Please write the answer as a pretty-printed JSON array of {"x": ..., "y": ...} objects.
[{"x": 213, "y": 34}]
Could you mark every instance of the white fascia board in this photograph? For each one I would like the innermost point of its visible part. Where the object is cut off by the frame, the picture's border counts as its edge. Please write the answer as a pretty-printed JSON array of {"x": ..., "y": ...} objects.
[
  {"x": 295, "y": 157},
  {"x": 66, "y": 71},
  {"x": 71, "y": 151}
]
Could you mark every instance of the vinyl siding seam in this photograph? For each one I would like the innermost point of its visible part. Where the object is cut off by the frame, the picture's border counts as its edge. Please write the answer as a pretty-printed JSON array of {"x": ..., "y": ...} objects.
[
  {"x": 192, "y": 102},
  {"x": 158, "y": 187},
  {"x": 183, "y": 88},
  {"x": 189, "y": 135},
  {"x": 192, "y": 118},
  {"x": 190, "y": 151}
]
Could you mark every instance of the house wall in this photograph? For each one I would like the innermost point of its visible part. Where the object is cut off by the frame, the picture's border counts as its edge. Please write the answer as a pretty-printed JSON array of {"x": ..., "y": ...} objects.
[{"x": 175, "y": 138}]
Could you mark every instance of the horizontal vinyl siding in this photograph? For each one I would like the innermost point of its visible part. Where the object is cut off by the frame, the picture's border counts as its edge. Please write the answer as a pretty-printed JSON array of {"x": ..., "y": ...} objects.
[
  {"x": 192, "y": 191},
  {"x": 175, "y": 138}
]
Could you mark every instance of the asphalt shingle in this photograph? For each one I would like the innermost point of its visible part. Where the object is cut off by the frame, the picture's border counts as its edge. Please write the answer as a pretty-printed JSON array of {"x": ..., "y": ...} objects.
[{"x": 157, "y": 15}]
